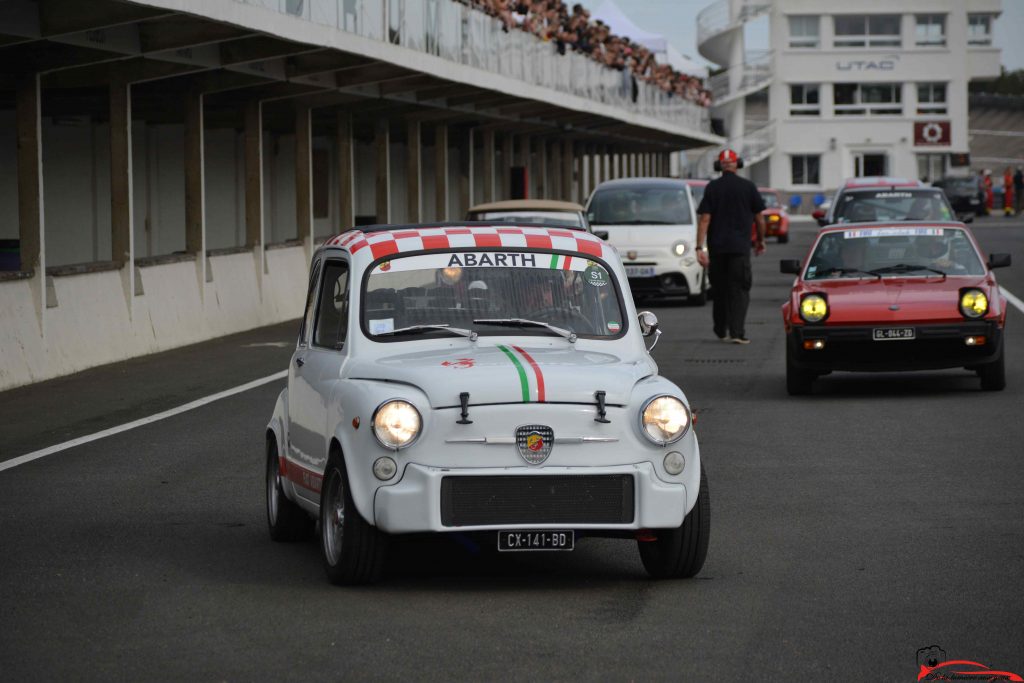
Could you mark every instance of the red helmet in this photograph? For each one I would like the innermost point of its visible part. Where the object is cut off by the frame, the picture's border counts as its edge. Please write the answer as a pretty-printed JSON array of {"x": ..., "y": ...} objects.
[{"x": 727, "y": 155}]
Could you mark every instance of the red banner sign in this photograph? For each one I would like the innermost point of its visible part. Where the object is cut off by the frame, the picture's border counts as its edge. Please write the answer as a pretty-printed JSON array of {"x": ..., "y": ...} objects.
[{"x": 931, "y": 133}]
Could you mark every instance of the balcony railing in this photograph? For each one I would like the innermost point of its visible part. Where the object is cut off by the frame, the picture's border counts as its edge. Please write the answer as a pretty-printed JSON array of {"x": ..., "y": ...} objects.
[
  {"x": 741, "y": 79},
  {"x": 464, "y": 35},
  {"x": 721, "y": 16}
]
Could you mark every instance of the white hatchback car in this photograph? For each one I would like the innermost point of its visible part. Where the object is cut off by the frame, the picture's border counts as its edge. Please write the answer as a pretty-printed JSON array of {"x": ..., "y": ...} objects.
[
  {"x": 653, "y": 224},
  {"x": 484, "y": 379}
]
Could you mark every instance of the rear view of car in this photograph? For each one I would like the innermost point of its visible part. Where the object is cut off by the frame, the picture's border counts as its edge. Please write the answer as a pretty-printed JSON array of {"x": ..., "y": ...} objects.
[
  {"x": 776, "y": 219},
  {"x": 885, "y": 200},
  {"x": 966, "y": 196},
  {"x": 653, "y": 224},
  {"x": 531, "y": 211}
]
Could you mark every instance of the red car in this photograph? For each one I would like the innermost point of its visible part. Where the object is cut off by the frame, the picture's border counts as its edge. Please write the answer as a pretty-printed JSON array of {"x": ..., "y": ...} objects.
[
  {"x": 776, "y": 219},
  {"x": 886, "y": 297}
]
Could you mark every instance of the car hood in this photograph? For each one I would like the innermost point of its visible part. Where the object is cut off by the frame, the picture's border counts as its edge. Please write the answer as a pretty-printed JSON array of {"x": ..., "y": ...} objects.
[
  {"x": 896, "y": 299},
  {"x": 647, "y": 236},
  {"x": 523, "y": 371}
]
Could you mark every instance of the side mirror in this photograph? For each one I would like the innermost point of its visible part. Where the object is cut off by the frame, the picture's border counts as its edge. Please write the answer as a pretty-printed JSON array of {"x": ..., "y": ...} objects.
[
  {"x": 601, "y": 235},
  {"x": 968, "y": 218},
  {"x": 818, "y": 214},
  {"x": 996, "y": 261},
  {"x": 648, "y": 323},
  {"x": 789, "y": 265}
]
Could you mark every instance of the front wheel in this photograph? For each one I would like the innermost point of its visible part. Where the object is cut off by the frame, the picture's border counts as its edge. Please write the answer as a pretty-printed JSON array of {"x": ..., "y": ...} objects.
[
  {"x": 286, "y": 520},
  {"x": 353, "y": 550},
  {"x": 680, "y": 552},
  {"x": 993, "y": 375}
]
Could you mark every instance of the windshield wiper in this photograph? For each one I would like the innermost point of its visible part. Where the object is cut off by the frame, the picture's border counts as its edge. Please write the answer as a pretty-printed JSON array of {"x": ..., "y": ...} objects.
[
  {"x": 640, "y": 223},
  {"x": 907, "y": 268},
  {"x": 415, "y": 329},
  {"x": 847, "y": 271},
  {"x": 522, "y": 322}
]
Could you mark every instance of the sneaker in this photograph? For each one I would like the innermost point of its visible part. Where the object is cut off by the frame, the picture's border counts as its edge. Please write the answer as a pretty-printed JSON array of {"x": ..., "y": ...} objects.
[
  {"x": 725, "y": 338},
  {"x": 740, "y": 340}
]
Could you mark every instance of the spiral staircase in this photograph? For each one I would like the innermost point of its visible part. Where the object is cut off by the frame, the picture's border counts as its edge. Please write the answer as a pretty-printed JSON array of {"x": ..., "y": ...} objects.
[{"x": 720, "y": 40}]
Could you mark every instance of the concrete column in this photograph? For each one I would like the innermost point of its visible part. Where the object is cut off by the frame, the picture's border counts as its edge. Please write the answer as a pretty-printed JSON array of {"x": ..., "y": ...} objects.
[
  {"x": 195, "y": 184},
  {"x": 506, "y": 167},
  {"x": 382, "y": 141},
  {"x": 254, "y": 174},
  {"x": 543, "y": 169},
  {"x": 465, "y": 142},
  {"x": 31, "y": 218},
  {"x": 565, "y": 173},
  {"x": 488, "y": 175},
  {"x": 579, "y": 171},
  {"x": 121, "y": 218},
  {"x": 414, "y": 176},
  {"x": 346, "y": 175},
  {"x": 595, "y": 168},
  {"x": 441, "y": 171},
  {"x": 304, "y": 177},
  {"x": 524, "y": 154}
]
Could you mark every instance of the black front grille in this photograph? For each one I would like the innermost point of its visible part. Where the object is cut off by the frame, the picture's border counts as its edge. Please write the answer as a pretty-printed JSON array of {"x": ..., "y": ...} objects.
[{"x": 538, "y": 499}]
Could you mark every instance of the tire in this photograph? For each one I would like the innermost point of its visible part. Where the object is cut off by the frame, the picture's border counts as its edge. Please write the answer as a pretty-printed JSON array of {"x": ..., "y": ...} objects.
[
  {"x": 993, "y": 375},
  {"x": 286, "y": 520},
  {"x": 798, "y": 382},
  {"x": 783, "y": 238},
  {"x": 680, "y": 553},
  {"x": 352, "y": 549}
]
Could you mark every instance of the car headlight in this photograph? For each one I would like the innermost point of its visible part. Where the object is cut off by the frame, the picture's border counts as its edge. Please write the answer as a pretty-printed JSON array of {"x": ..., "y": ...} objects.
[
  {"x": 679, "y": 248},
  {"x": 774, "y": 218},
  {"x": 973, "y": 303},
  {"x": 813, "y": 308},
  {"x": 665, "y": 419},
  {"x": 396, "y": 424}
]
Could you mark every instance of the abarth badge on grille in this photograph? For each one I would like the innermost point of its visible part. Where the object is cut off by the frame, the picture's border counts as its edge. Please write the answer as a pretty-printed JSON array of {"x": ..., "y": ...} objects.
[{"x": 534, "y": 443}]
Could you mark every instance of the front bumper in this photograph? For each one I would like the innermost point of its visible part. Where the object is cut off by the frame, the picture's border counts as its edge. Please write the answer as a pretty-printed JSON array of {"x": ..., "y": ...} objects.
[
  {"x": 935, "y": 346},
  {"x": 676, "y": 278},
  {"x": 620, "y": 497}
]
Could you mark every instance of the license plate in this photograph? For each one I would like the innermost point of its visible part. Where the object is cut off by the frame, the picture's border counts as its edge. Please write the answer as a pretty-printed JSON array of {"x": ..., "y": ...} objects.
[
  {"x": 892, "y": 333},
  {"x": 639, "y": 271},
  {"x": 535, "y": 540}
]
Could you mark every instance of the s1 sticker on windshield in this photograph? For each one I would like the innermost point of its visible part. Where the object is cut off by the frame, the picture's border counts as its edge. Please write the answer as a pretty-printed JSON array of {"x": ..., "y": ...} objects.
[
  {"x": 595, "y": 275},
  {"x": 891, "y": 232}
]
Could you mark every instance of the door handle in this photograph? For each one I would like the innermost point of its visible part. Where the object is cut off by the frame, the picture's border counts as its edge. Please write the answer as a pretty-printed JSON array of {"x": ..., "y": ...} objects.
[{"x": 300, "y": 361}]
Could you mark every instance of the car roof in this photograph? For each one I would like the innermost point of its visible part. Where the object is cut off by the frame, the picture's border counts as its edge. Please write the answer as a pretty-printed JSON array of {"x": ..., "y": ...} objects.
[
  {"x": 646, "y": 182},
  {"x": 880, "y": 181},
  {"x": 697, "y": 181},
  {"x": 383, "y": 240},
  {"x": 527, "y": 204}
]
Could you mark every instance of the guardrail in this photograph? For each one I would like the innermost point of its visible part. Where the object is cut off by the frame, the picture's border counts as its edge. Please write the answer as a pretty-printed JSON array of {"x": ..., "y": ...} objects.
[
  {"x": 464, "y": 35},
  {"x": 752, "y": 75}
]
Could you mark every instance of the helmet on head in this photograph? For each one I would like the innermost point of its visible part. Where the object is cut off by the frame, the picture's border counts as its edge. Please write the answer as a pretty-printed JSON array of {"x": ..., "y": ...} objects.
[{"x": 728, "y": 155}]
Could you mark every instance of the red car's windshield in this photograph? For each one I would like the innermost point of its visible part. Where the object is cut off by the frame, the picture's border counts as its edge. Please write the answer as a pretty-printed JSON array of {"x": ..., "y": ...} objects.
[{"x": 893, "y": 252}]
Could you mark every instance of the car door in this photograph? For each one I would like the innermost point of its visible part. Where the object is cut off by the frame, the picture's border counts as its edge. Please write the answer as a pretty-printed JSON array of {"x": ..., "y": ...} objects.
[{"x": 317, "y": 369}]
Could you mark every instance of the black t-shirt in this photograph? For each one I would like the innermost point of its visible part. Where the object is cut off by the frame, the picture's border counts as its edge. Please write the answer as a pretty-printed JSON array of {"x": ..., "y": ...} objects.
[{"x": 732, "y": 202}]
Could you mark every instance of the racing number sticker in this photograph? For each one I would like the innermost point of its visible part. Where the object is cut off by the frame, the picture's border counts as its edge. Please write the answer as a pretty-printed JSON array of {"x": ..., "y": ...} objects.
[{"x": 595, "y": 276}]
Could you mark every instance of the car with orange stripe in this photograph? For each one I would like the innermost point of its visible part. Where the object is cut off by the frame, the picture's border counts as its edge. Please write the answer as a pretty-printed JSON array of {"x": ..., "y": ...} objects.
[{"x": 489, "y": 381}]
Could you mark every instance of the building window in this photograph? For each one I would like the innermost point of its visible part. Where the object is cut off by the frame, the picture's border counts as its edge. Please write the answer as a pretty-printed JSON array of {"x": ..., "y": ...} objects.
[
  {"x": 931, "y": 98},
  {"x": 867, "y": 99},
  {"x": 803, "y": 31},
  {"x": 867, "y": 30},
  {"x": 930, "y": 30},
  {"x": 803, "y": 100},
  {"x": 979, "y": 29},
  {"x": 931, "y": 167},
  {"x": 806, "y": 169}
]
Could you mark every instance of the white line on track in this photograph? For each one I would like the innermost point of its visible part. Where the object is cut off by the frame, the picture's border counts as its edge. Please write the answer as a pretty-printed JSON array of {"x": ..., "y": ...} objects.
[
  {"x": 1012, "y": 299},
  {"x": 198, "y": 403}
]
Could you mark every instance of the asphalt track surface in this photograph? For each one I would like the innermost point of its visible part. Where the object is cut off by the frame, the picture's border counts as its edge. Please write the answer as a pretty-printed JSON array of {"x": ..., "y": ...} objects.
[{"x": 850, "y": 528}]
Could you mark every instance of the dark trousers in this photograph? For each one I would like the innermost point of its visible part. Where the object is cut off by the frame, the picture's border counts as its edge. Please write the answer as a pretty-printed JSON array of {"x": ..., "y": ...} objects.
[{"x": 731, "y": 280}]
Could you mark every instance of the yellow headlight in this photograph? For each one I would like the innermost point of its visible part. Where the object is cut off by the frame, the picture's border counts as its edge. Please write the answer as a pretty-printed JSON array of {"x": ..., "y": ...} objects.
[
  {"x": 665, "y": 419},
  {"x": 973, "y": 303},
  {"x": 813, "y": 308},
  {"x": 774, "y": 218},
  {"x": 396, "y": 424}
]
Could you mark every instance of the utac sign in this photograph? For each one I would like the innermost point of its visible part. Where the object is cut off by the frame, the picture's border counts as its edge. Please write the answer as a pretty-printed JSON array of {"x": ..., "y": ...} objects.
[{"x": 931, "y": 133}]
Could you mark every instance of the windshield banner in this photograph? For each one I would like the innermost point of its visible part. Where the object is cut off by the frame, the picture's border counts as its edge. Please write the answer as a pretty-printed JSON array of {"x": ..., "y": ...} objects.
[
  {"x": 892, "y": 232},
  {"x": 485, "y": 259}
]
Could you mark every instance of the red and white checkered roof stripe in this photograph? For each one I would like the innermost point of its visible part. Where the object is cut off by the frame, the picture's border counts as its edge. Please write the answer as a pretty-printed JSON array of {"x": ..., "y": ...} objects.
[{"x": 390, "y": 242}]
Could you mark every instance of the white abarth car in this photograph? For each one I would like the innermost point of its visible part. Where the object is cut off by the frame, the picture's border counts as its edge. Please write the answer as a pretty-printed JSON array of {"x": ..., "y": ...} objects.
[
  {"x": 483, "y": 379},
  {"x": 653, "y": 224}
]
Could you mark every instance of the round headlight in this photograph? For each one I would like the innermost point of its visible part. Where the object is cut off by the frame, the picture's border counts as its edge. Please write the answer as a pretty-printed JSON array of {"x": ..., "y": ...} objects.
[
  {"x": 396, "y": 424},
  {"x": 813, "y": 308},
  {"x": 665, "y": 419},
  {"x": 973, "y": 303},
  {"x": 679, "y": 248}
]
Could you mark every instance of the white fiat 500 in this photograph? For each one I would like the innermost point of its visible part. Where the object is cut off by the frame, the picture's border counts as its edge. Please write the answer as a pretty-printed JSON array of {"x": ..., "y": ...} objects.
[
  {"x": 653, "y": 224},
  {"x": 484, "y": 379}
]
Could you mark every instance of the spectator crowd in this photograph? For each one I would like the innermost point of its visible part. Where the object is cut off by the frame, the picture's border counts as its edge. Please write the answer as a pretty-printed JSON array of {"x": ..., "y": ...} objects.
[{"x": 553, "y": 21}]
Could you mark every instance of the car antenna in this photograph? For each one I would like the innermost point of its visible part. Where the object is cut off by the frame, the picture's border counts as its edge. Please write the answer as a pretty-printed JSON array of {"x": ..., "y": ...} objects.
[
  {"x": 464, "y": 402},
  {"x": 599, "y": 395}
]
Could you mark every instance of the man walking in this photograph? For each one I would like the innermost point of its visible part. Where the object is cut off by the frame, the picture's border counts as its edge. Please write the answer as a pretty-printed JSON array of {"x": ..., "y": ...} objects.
[{"x": 729, "y": 206}]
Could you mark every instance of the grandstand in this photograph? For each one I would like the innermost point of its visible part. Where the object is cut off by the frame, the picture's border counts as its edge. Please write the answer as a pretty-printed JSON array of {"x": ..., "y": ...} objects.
[{"x": 996, "y": 131}]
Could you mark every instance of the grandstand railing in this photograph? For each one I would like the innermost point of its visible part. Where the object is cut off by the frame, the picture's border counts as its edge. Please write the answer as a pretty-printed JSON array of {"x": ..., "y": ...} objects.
[
  {"x": 458, "y": 33},
  {"x": 752, "y": 75}
]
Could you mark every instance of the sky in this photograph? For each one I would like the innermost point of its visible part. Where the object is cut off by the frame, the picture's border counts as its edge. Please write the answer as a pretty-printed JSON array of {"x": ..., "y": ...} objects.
[{"x": 677, "y": 21}]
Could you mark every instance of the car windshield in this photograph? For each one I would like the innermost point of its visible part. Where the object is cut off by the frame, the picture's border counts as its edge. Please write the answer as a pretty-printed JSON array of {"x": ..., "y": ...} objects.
[
  {"x": 893, "y": 252},
  {"x": 526, "y": 216},
  {"x": 491, "y": 293},
  {"x": 771, "y": 200},
  {"x": 961, "y": 185},
  {"x": 639, "y": 205},
  {"x": 698, "y": 193},
  {"x": 893, "y": 204}
]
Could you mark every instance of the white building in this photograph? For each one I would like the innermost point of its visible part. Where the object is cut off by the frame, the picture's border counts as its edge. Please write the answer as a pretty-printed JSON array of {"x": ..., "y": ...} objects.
[{"x": 877, "y": 87}]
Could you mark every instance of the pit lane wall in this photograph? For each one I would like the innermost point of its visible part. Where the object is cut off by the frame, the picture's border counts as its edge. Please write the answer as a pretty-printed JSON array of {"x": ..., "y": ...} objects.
[{"x": 94, "y": 318}]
